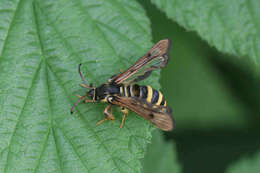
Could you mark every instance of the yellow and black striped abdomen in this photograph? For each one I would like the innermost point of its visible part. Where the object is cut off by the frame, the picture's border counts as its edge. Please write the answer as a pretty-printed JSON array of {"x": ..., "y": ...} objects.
[{"x": 144, "y": 92}]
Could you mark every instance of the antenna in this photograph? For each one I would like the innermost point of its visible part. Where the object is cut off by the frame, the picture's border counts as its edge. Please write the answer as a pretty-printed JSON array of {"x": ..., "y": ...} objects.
[
  {"x": 84, "y": 84},
  {"x": 76, "y": 102}
]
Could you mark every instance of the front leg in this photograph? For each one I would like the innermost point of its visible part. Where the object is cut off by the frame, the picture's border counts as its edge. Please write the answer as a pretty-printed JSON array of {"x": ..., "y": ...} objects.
[
  {"x": 86, "y": 101},
  {"x": 108, "y": 115}
]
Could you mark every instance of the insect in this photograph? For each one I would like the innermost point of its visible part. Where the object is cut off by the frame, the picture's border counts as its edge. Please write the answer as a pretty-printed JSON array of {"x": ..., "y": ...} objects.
[{"x": 121, "y": 90}]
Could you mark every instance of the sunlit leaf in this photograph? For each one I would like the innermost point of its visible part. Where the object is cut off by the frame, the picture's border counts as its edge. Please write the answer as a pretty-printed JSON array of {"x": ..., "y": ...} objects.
[
  {"x": 231, "y": 26},
  {"x": 41, "y": 45}
]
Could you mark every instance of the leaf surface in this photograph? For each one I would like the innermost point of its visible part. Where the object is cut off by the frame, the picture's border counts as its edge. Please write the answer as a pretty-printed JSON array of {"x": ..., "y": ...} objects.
[
  {"x": 230, "y": 26},
  {"x": 41, "y": 45},
  {"x": 246, "y": 164},
  {"x": 160, "y": 156}
]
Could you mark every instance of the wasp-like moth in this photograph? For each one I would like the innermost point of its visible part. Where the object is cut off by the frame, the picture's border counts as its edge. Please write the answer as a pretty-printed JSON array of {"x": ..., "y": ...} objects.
[{"x": 121, "y": 90}]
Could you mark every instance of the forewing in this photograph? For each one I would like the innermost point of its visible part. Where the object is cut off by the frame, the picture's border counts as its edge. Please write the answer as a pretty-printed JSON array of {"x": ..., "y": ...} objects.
[
  {"x": 160, "y": 116},
  {"x": 156, "y": 57}
]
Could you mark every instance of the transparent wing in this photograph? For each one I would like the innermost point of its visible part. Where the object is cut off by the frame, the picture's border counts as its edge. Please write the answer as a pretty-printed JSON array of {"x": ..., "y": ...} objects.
[
  {"x": 156, "y": 57},
  {"x": 160, "y": 116}
]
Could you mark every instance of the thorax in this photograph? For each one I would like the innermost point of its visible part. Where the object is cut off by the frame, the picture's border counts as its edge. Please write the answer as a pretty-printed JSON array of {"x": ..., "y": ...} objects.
[{"x": 105, "y": 90}]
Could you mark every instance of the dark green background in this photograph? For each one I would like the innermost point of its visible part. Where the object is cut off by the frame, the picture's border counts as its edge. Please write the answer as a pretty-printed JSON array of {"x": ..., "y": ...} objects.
[{"x": 215, "y": 99}]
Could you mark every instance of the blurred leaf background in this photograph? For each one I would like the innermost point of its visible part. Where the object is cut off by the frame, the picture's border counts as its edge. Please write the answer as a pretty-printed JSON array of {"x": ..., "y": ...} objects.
[{"x": 215, "y": 95}]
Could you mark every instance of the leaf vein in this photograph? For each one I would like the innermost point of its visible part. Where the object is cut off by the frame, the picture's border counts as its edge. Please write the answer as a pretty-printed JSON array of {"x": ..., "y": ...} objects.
[
  {"x": 9, "y": 28},
  {"x": 249, "y": 7},
  {"x": 86, "y": 122},
  {"x": 227, "y": 32},
  {"x": 116, "y": 32},
  {"x": 21, "y": 113},
  {"x": 64, "y": 40},
  {"x": 128, "y": 14},
  {"x": 74, "y": 149},
  {"x": 42, "y": 151},
  {"x": 57, "y": 152},
  {"x": 98, "y": 28},
  {"x": 46, "y": 85}
]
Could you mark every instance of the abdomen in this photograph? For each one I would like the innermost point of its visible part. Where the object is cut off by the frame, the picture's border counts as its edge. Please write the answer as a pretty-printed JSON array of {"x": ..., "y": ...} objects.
[{"x": 145, "y": 92}]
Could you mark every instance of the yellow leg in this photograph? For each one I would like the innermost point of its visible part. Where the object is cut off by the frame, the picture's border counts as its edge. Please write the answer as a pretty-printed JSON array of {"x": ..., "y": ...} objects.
[
  {"x": 108, "y": 115},
  {"x": 79, "y": 96},
  {"x": 125, "y": 112},
  {"x": 84, "y": 85},
  {"x": 86, "y": 101},
  {"x": 101, "y": 121}
]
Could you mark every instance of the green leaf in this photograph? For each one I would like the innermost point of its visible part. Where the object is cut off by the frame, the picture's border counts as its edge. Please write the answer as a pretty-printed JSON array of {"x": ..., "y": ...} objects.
[
  {"x": 160, "y": 156},
  {"x": 41, "y": 45},
  {"x": 247, "y": 164},
  {"x": 231, "y": 26}
]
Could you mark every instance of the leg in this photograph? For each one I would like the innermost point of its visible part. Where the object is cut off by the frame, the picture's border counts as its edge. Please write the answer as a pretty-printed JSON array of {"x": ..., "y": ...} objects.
[
  {"x": 86, "y": 101},
  {"x": 108, "y": 115},
  {"x": 125, "y": 112},
  {"x": 86, "y": 86},
  {"x": 74, "y": 105}
]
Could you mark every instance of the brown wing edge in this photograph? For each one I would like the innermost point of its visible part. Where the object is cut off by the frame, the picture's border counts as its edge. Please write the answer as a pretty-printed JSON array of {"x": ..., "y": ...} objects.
[
  {"x": 167, "y": 51},
  {"x": 166, "y": 54},
  {"x": 168, "y": 123},
  {"x": 160, "y": 116},
  {"x": 165, "y": 43}
]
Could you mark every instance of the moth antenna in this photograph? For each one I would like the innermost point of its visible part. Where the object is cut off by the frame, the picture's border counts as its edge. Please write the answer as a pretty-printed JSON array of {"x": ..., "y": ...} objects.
[
  {"x": 75, "y": 103},
  {"x": 83, "y": 80}
]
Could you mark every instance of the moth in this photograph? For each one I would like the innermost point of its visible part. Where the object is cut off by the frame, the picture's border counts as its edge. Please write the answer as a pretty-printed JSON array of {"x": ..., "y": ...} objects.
[{"x": 121, "y": 90}]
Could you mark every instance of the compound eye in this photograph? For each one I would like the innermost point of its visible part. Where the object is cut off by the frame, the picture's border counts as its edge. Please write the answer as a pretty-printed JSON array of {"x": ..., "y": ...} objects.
[{"x": 110, "y": 99}]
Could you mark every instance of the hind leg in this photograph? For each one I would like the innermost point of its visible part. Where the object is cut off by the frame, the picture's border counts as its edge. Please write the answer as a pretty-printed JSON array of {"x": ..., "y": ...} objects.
[{"x": 125, "y": 112}]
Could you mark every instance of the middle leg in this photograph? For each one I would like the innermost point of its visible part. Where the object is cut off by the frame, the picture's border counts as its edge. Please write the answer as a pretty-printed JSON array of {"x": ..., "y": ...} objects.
[{"x": 108, "y": 115}]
